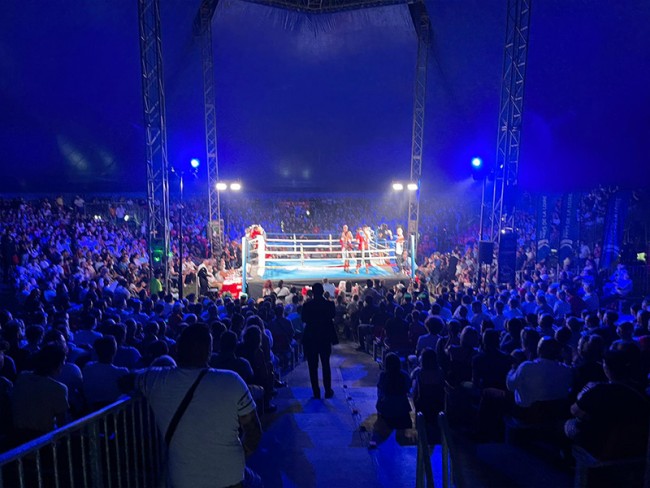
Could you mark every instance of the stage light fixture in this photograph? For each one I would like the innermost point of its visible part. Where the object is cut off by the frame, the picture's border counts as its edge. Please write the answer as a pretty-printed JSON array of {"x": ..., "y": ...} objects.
[
  {"x": 398, "y": 186},
  {"x": 235, "y": 186},
  {"x": 479, "y": 169},
  {"x": 412, "y": 186},
  {"x": 221, "y": 186},
  {"x": 195, "y": 163}
]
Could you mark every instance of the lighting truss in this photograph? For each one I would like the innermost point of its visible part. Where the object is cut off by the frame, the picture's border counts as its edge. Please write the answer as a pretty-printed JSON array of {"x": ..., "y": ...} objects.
[
  {"x": 153, "y": 100},
  {"x": 422, "y": 27}
]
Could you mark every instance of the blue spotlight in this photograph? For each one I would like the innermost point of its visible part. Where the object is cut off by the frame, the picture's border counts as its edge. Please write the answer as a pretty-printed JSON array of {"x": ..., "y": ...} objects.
[
  {"x": 195, "y": 163},
  {"x": 479, "y": 171}
]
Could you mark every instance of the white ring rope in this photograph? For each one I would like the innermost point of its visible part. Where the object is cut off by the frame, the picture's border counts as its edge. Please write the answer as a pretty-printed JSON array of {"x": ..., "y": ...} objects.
[{"x": 313, "y": 254}]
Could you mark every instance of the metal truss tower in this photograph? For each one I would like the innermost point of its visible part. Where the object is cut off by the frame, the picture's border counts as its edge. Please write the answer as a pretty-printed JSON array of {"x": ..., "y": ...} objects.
[
  {"x": 153, "y": 100},
  {"x": 203, "y": 29},
  {"x": 506, "y": 167},
  {"x": 422, "y": 25},
  {"x": 423, "y": 30}
]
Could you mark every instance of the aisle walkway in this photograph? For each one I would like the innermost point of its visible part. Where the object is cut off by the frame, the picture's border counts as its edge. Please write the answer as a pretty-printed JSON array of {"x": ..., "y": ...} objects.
[{"x": 325, "y": 443}]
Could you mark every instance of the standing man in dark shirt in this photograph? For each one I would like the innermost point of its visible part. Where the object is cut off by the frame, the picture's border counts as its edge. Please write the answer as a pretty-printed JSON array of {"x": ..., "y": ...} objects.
[{"x": 317, "y": 315}]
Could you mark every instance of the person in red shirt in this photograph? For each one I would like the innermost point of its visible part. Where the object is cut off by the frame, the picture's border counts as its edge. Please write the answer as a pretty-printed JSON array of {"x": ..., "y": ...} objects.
[
  {"x": 362, "y": 239},
  {"x": 346, "y": 247}
]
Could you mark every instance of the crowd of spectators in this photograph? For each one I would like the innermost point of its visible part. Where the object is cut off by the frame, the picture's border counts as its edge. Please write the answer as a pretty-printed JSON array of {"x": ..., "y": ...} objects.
[
  {"x": 85, "y": 240},
  {"x": 548, "y": 351},
  {"x": 503, "y": 362},
  {"x": 58, "y": 363}
]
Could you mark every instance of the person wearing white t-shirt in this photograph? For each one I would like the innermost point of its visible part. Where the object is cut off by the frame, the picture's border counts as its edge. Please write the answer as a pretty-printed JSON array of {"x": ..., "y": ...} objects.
[
  {"x": 329, "y": 288},
  {"x": 205, "y": 450},
  {"x": 281, "y": 291}
]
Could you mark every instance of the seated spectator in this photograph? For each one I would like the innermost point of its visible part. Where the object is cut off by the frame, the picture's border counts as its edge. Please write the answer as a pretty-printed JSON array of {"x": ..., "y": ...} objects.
[
  {"x": 452, "y": 339},
  {"x": 366, "y": 314},
  {"x": 562, "y": 308},
  {"x": 588, "y": 365},
  {"x": 428, "y": 386},
  {"x": 126, "y": 356},
  {"x": 529, "y": 306},
  {"x": 151, "y": 330},
  {"x": 393, "y": 388},
  {"x": 591, "y": 300},
  {"x": 576, "y": 326},
  {"x": 477, "y": 315},
  {"x": 461, "y": 357},
  {"x": 206, "y": 449},
  {"x": 611, "y": 418},
  {"x": 545, "y": 327},
  {"x": 39, "y": 403},
  {"x": 529, "y": 345},
  {"x": 70, "y": 374},
  {"x": 340, "y": 311},
  {"x": 434, "y": 326},
  {"x": 499, "y": 318},
  {"x": 619, "y": 285},
  {"x": 397, "y": 331},
  {"x": 379, "y": 319},
  {"x": 490, "y": 366},
  {"x": 541, "y": 380},
  {"x": 296, "y": 319},
  {"x": 282, "y": 331},
  {"x": 87, "y": 335},
  {"x": 416, "y": 328},
  {"x": 511, "y": 340},
  {"x": 34, "y": 336},
  {"x": 251, "y": 350},
  {"x": 100, "y": 377},
  {"x": 217, "y": 328},
  {"x": 543, "y": 307},
  {"x": 607, "y": 329},
  {"x": 227, "y": 359},
  {"x": 563, "y": 335},
  {"x": 12, "y": 333},
  {"x": 625, "y": 333},
  {"x": 514, "y": 310},
  {"x": 155, "y": 350}
]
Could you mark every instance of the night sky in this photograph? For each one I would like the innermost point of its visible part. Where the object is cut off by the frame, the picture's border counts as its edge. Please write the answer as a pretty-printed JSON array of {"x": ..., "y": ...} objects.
[{"x": 323, "y": 103}]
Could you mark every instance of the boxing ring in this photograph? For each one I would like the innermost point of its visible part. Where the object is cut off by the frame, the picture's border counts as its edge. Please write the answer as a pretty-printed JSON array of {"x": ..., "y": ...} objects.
[{"x": 299, "y": 261}]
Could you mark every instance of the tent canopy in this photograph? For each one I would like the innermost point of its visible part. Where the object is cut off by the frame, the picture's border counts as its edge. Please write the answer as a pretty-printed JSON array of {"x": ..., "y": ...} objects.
[{"x": 322, "y": 102}]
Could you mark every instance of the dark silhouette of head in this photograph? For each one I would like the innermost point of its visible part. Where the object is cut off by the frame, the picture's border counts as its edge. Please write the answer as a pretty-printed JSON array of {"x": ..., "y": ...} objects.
[
  {"x": 194, "y": 346},
  {"x": 317, "y": 290}
]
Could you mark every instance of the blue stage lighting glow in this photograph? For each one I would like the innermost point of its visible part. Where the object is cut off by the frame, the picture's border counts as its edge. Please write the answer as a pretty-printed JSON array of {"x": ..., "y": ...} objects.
[
  {"x": 477, "y": 162},
  {"x": 195, "y": 163}
]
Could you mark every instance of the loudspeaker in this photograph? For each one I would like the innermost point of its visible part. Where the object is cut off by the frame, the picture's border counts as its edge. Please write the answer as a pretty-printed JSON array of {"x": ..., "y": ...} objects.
[
  {"x": 507, "y": 258},
  {"x": 485, "y": 252}
]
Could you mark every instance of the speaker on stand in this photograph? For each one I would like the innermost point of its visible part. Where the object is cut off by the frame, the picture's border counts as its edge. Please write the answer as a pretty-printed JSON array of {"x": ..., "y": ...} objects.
[
  {"x": 485, "y": 252},
  {"x": 507, "y": 261},
  {"x": 485, "y": 258}
]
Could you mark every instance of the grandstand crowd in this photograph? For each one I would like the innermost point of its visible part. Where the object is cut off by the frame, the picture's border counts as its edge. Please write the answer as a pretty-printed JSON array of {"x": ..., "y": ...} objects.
[{"x": 558, "y": 349}]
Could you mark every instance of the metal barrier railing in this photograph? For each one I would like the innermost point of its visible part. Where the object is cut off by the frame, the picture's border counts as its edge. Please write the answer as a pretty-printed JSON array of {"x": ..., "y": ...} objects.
[
  {"x": 447, "y": 452},
  {"x": 424, "y": 472},
  {"x": 118, "y": 446}
]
